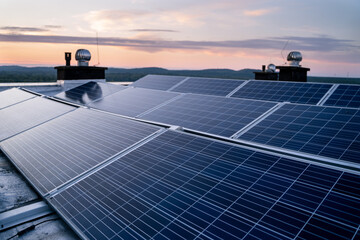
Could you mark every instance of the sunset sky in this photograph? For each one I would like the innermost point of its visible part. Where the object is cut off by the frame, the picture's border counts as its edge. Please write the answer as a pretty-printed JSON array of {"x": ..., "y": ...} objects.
[{"x": 184, "y": 34}]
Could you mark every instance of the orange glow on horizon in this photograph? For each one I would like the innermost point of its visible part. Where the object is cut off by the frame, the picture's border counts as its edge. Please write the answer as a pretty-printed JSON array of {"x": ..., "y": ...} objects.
[{"x": 49, "y": 54}]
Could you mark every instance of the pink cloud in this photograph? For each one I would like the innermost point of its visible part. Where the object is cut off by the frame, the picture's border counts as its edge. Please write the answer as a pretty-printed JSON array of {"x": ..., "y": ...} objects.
[{"x": 257, "y": 12}]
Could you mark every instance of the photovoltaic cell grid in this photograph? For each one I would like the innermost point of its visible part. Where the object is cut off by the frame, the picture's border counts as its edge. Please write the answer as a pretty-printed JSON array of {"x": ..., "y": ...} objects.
[
  {"x": 13, "y": 96},
  {"x": 179, "y": 186},
  {"x": 132, "y": 101},
  {"x": 209, "y": 86},
  {"x": 89, "y": 92},
  {"x": 283, "y": 91},
  {"x": 158, "y": 82},
  {"x": 345, "y": 96},
  {"x": 325, "y": 131},
  {"x": 216, "y": 115},
  {"x": 30, "y": 113},
  {"x": 57, "y": 151}
]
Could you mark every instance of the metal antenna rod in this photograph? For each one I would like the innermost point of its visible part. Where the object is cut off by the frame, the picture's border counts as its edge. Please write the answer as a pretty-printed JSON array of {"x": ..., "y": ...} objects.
[
  {"x": 284, "y": 49},
  {"x": 97, "y": 46}
]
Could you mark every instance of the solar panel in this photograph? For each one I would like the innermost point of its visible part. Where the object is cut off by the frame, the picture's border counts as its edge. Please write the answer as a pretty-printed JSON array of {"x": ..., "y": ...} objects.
[
  {"x": 345, "y": 96},
  {"x": 179, "y": 186},
  {"x": 283, "y": 91},
  {"x": 27, "y": 114},
  {"x": 55, "y": 152},
  {"x": 13, "y": 96},
  {"x": 132, "y": 101},
  {"x": 215, "y": 115},
  {"x": 89, "y": 92},
  {"x": 209, "y": 86},
  {"x": 158, "y": 82},
  {"x": 325, "y": 131}
]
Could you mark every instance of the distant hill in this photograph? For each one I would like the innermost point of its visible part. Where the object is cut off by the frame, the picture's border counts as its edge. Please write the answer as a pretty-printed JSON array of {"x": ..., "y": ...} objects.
[
  {"x": 27, "y": 74},
  {"x": 48, "y": 74},
  {"x": 122, "y": 74}
]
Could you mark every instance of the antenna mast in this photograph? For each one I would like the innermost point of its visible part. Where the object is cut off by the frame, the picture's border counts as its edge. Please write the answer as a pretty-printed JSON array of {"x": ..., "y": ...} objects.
[
  {"x": 97, "y": 46},
  {"x": 284, "y": 49}
]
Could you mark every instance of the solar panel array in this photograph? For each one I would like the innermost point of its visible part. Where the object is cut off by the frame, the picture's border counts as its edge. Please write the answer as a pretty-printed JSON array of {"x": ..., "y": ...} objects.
[
  {"x": 325, "y": 131},
  {"x": 277, "y": 91},
  {"x": 29, "y": 113},
  {"x": 158, "y": 82},
  {"x": 345, "y": 96},
  {"x": 209, "y": 86},
  {"x": 89, "y": 92},
  {"x": 309, "y": 93},
  {"x": 132, "y": 101},
  {"x": 13, "y": 96},
  {"x": 215, "y": 115},
  {"x": 180, "y": 186},
  {"x": 59, "y": 150},
  {"x": 131, "y": 180}
]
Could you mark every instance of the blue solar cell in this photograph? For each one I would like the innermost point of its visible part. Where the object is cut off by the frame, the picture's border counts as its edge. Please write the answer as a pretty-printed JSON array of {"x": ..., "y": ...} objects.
[
  {"x": 215, "y": 115},
  {"x": 163, "y": 190},
  {"x": 13, "y": 96},
  {"x": 308, "y": 93},
  {"x": 132, "y": 101},
  {"x": 89, "y": 92},
  {"x": 209, "y": 86},
  {"x": 27, "y": 114},
  {"x": 327, "y": 229},
  {"x": 260, "y": 232},
  {"x": 61, "y": 149},
  {"x": 285, "y": 219},
  {"x": 158, "y": 82},
  {"x": 341, "y": 208},
  {"x": 345, "y": 96},
  {"x": 304, "y": 196},
  {"x": 349, "y": 184},
  {"x": 324, "y": 131}
]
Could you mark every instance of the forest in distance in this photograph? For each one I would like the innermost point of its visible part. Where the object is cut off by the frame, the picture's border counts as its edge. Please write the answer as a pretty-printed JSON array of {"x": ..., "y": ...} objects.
[{"x": 12, "y": 74}]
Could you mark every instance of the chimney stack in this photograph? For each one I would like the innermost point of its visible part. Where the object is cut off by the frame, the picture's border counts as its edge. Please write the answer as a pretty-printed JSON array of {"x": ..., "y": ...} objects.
[
  {"x": 81, "y": 73},
  {"x": 267, "y": 74},
  {"x": 293, "y": 72}
]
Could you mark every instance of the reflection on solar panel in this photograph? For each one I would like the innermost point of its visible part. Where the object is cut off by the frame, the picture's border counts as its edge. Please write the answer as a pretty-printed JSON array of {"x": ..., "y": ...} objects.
[
  {"x": 345, "y": 96},
  {"x": 326, "y": 131},
  {"x": 209, "y": 86},
  {"x": 27, "y": 114},
  {"x": 13, "y": 96},
  {"x": 283, "y": 91},
  {"x": 216, "y": 115},
  {"x": 132, "y": 101},
  {"x": 179, "y": 186},
  {"x": 89, "y": 92},
  {"x": 63, "y": 148},
  {"x": 158, "y": 82}
]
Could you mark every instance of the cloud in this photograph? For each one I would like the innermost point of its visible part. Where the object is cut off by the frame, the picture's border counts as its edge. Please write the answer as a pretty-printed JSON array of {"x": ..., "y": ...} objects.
[
  {"x": 152, "y": 30},
  {"x": 23, "y": 29},
  {"x": 52, "y": 26},
  {"x": 110, "y": 20},
  {"x": 323, "y": 45},
  {"x": 18, "y": 30},
  {"x": 257, "y": 13},
  {"x": 319, "y": 44}
]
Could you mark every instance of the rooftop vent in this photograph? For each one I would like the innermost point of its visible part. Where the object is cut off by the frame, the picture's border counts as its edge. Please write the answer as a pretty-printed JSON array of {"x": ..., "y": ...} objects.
[
  {"x": 268, "y": 73},
  {"x": 83, "y": 57},
  {"x": 68, "y": 58},
  {"x": 271, "y": 68},
  {"x": 294, "y": 58}
]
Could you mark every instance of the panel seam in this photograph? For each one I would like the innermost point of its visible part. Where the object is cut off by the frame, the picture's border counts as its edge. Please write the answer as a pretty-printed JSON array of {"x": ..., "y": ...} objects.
[{"x": 327, "y": 95}]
